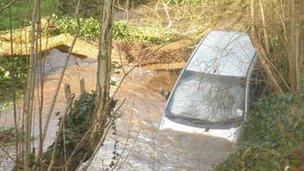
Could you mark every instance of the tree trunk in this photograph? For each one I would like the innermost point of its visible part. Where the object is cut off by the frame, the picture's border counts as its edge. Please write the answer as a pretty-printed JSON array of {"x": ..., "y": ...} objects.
[
  {"x": 103, "y": 70},
  {"x": 29, "y": 95},
  {"x": 263, "y": 59},
  {"x": 294, "y": 48}
]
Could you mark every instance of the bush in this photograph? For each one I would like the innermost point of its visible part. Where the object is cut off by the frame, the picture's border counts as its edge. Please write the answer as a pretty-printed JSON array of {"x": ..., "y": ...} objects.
[
  {"x": 122, "y": 30},
  {"x": 129, "y": 32},
  {"x": 7, "y": 64},
  {"x": 90, "y": 8},
  {"x": 89, "y": 26},
  {"x": 272, "y": 137},
  {"x": 87, "y": 8},
  {"x": 190, "y": 2},
  {"x": 77, "y": 123}
]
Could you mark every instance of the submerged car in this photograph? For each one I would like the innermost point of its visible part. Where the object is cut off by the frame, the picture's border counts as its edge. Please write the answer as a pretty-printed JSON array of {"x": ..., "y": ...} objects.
[{"x": 211, "y": 95}]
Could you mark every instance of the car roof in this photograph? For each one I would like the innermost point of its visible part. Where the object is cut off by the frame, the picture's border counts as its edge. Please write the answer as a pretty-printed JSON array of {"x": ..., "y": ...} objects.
[{"x": 223, "y": 53}]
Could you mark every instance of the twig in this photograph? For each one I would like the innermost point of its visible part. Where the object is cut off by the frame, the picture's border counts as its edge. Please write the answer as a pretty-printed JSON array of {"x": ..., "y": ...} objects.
[
  {"x": 168, "y": 15},
  {"x": 13, "y": 76},
  {"x": 12, "y": 158},
  {"x": 41, "y": 100},
  {"x": 97, "y": 120},
  {"x": 61, "y": 75},
  {"x": 62, "y": 122},
  {"x": 300, "y": 118},
  {"x": 88, "y": 163},
  {"x": 100, "y": 143},
  {"x": 29, "y": 97},
  {"x": 129, "y": 133},
  {"x": 7, "y": 5},
  {"x": 264, "y": 26},
  {"x": 133, "y": 145},
  {"x": 93, "y": 124}
]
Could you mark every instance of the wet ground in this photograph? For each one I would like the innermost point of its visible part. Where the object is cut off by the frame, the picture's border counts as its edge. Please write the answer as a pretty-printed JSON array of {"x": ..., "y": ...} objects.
[{"x": 140, "y": 145}]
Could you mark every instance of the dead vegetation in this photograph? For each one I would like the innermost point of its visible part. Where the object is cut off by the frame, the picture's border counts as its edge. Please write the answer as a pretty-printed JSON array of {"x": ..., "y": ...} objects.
[
  {"x": 149, "y": 54},
  {"x": 123, "y": 52}
]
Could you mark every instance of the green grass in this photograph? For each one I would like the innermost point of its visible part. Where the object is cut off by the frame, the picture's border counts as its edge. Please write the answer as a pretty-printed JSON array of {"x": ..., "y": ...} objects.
[
  {"x": 21, "y": 12},
  {"x": 122, "y": 30},
  {"x": 272, "y": 137}
]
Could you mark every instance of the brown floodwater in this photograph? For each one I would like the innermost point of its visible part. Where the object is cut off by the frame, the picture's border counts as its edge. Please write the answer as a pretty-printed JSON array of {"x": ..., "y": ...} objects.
[
  {"x": 151, "y": 149},
  {"x": 139, "y": 142}
]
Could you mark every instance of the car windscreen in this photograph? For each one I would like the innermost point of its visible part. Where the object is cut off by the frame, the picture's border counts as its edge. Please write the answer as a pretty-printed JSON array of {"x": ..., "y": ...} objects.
[{"x": 206, "y": 100}]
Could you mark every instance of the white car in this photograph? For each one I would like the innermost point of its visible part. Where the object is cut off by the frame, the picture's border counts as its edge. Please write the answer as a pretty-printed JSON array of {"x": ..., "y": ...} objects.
[{"x": 211, "y": 95}]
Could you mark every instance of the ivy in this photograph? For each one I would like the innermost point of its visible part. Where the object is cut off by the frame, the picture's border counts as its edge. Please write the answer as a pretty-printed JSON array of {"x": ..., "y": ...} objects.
[
  {"x": 272, "y": 136},
  {"x": 122, "y": 31},
  {"x": 12, "y": 67}
]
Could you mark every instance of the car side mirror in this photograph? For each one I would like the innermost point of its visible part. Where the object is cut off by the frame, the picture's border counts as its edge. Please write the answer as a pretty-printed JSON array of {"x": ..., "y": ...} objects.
[{"x": 165, "y": 93}]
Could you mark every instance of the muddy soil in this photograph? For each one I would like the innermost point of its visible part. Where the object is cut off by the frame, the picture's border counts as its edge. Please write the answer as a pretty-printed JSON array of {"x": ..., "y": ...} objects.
[{"x": 140, "y": 144}]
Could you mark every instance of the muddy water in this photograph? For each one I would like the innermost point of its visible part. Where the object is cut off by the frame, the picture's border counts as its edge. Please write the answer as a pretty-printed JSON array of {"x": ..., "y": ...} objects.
[
  {"x": 148, "y": 148},
  {"x": 140, "y": 145}
]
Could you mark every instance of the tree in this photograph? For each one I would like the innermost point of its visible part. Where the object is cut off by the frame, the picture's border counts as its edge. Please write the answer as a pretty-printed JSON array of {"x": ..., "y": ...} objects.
[
  {"x": 100, "y": 117},
  {"x": 293, "y": 47},
  {"x": 30, "y": 85},
  {"x": 103, "y": 69},
  {"x": 279, "y": 53}
]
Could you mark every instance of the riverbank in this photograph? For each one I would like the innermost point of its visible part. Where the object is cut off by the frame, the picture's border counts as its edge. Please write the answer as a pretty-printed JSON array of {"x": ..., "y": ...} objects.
[{"x": 272, "y": 136}]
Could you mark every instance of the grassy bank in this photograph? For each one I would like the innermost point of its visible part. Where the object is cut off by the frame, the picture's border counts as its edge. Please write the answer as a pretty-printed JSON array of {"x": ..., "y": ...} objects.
[
  {"x": 122, "y": 30},
  {"x": 272, "y": 137},
  {"x": 21, "y": 12}
]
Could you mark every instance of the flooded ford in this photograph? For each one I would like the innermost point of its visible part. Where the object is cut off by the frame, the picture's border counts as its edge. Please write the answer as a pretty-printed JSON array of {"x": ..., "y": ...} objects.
[{"x": 136, "y": 141}]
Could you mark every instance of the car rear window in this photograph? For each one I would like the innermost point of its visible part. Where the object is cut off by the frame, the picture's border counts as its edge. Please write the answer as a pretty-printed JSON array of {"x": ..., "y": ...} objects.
[{"x": 202, "y": 99}]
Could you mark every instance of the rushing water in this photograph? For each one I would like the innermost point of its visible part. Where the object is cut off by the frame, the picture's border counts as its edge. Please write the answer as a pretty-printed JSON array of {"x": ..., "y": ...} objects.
[
  {"x": 151, "y": 149},
  {"x": 139, "y": 142}
]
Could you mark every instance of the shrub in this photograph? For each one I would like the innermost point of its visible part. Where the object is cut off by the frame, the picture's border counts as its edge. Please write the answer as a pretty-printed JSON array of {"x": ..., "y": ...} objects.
[
  {"x": 122, "y": 30},
  {"x": 90, "y": 8},
  {"x": 272, "y": 136},
  {"x": 77, "y": 123},
  {"x": 7, "y": 64}
]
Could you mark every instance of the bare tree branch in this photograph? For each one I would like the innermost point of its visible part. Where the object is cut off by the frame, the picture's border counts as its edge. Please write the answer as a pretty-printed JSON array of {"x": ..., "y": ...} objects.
[
  {"x": 58, "y": 134},
  {"x": 7, "y": 5},
  {"x": 61, "y": 75}
]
